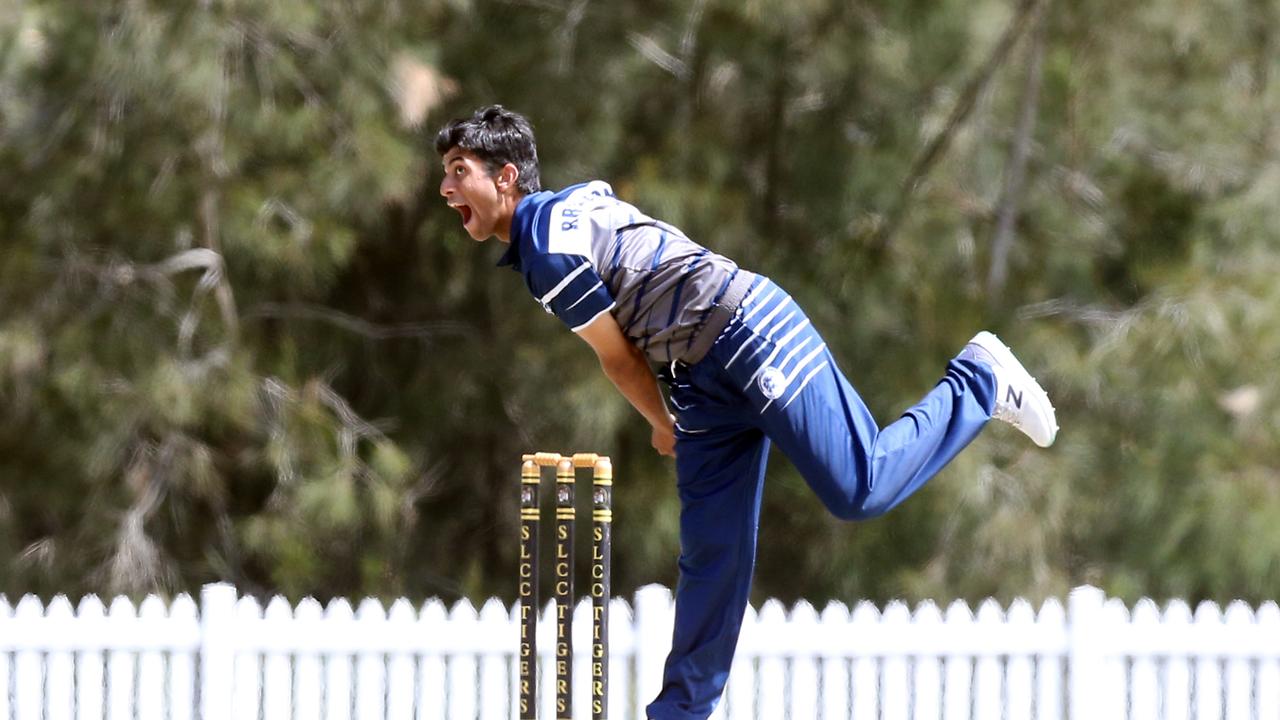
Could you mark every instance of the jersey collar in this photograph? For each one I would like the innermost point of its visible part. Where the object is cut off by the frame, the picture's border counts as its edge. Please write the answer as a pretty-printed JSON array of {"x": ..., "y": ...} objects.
[{"x": 521, "y": 228}]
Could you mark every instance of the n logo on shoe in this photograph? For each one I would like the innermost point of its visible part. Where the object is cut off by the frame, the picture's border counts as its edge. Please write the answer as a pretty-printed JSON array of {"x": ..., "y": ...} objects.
[{"x": 1014, "y": 397}]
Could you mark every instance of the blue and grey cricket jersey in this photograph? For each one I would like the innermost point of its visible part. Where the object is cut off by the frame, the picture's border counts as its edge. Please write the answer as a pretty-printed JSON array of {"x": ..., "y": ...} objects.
[{"x": 584, "y": 252}]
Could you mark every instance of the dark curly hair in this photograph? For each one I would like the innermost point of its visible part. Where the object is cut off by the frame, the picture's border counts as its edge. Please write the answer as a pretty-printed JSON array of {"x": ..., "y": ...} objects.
[{"x": 496, "y": 136}]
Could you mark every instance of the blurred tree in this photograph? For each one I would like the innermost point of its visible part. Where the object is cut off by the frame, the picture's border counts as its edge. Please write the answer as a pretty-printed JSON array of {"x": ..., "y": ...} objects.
[{"x": 242, "y": 338}]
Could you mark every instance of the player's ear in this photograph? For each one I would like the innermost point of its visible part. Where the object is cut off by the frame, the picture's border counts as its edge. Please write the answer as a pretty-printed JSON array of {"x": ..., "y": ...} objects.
[{"x": 508, "y": 176}]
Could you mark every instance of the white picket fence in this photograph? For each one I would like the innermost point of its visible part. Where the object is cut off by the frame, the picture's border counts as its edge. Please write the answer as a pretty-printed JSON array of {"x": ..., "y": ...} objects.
[{"x": 1092, "y": 660}]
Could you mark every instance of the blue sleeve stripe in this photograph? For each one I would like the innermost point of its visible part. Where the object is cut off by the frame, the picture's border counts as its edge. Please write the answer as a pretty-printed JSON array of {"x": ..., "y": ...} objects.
[{"x": 564, "y": 283}]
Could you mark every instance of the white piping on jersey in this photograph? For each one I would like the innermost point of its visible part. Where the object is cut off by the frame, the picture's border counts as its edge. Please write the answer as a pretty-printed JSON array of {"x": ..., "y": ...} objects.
[
  {"x": 781, "y": 344},
  {"x": 612, "y": 305},
  {"x": 764, "y": 321},
  {"x": 746, "y": 300},
  {"x": 794, "y": 331},
  {"x": 691, "y": 432},
  {"x": 768, "y": 336},
  {"x": 781, "y": 324},
  {"x": 787, "y": 358},
  {"x": 756, "y": 352},
  {"x": 585, "y": 295},
  {"x": 760, "y": 306},
  {"x": 546, "y": 299},
  {"x": 807, "y": 359},
  {"x": 741, "y": 347},
  {"x": 742, "y": 322},
  {"x": 807, "y": 378}
]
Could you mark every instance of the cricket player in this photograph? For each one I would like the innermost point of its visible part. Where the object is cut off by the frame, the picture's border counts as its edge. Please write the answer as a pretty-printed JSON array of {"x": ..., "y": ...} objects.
[{"x": 744, "y": 368}]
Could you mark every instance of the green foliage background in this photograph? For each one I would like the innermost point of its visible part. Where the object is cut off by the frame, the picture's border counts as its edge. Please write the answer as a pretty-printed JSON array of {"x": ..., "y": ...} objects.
[{"x": 242, "y": 338}]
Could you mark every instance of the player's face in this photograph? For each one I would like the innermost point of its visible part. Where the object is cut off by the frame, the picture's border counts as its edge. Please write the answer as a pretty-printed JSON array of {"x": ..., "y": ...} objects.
[{"x": 470, "y": 189}]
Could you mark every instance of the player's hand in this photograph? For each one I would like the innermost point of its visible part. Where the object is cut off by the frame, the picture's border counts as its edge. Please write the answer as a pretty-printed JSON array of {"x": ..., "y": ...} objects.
[{"x": 664, "y": 438}]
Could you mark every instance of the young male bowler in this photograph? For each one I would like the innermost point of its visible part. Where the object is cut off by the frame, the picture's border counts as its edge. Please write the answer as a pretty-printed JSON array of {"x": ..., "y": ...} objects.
[{"x": 745, "y": 370}]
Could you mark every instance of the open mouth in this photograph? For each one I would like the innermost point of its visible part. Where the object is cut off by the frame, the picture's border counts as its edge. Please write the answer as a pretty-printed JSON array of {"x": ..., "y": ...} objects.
[{"x": 465, "y": 212}]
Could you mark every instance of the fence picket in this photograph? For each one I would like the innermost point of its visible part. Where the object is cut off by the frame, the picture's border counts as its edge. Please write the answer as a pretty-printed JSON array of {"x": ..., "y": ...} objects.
[
  {"x": 277, "y": 676},
  {"x": 1239, "y": 705},
  {"x": 1177, "y": 673},
  {"x": 1208, "y": 689},
  {"x": 90, "y": 688},
  {"x": 400, "y": 670},
  {"x": 339, "y": 688},
  {"x": 371, "y": 680},
  {"x": 895, "y": 684},
  {"x": 928, "y": 672},
  {"x": 6, "y": 621},
  {"x": 866, "y": 676},
  {"x": 957, "y": 699},
  {"x": 62, "y": 668},
  {"x": 182, "y": 662},
  {"x": 988, "y": 679},
  {"x": 1114, "y": 619},
  {"x": 28, "y": 670},
  {"x": 246, "y": 698},
  {"x": 151, "y": 662},
  {"x": 1050, "y": 679},
  {"x": 432, "y": 695},
  {"x": 1268, "y": 685},
  {"x": 835, "y": 668},
  {"x": 217, "y": 652},
  {"x": 655, "y": 619},
  {"x": 771, "y": 625},
  {"x": 120, "y": 665},
  {"x": 1020, "y": 679},
  {"x": 804, "y": 690},
  {"x": 622, "y": 644},
  {"x": 308, "y": 688},
  {"x": 462, "y": 666},
  {"x": 1144, "y": 688},
  {"x": 1087, "y": 684},
  {"x": 495, "y": 690}
]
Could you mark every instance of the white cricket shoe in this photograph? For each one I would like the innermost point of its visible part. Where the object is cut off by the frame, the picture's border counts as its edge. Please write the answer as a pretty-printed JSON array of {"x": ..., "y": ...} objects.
[{"x": 1020, "y": 401}]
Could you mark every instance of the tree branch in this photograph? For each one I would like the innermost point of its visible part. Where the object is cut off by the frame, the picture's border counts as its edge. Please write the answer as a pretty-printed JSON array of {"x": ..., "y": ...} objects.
[
  {"x": 1015, "y": 176},
  {"x": 925, "y": 162},
  {"x": 353, "y": 324},
  {"x": 567, "y": 35}
]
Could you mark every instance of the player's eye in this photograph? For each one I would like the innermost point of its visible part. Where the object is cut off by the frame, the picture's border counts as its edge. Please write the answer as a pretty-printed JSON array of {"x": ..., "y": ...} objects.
[{"x": 457, "y": 170}]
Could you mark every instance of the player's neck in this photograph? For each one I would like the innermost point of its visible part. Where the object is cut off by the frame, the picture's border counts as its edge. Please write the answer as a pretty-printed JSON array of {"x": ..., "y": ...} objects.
[{"x": 509, "y": 204}]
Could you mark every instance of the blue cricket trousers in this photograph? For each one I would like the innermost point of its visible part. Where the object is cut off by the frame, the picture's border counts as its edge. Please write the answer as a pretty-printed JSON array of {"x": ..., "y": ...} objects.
[{"x": 770, "y": 378}]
